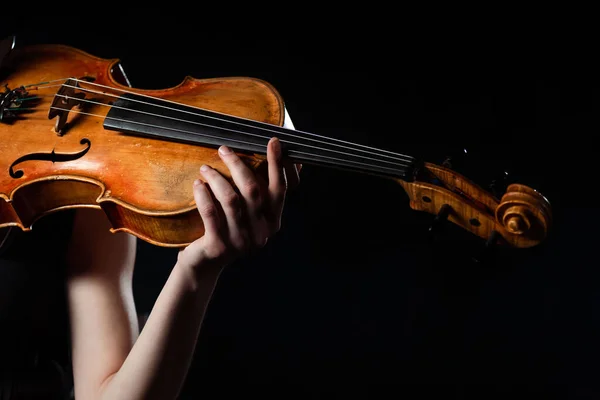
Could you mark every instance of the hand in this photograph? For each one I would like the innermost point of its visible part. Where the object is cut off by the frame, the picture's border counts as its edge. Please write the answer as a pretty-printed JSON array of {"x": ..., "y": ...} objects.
[{"x": 238, "y": 222}]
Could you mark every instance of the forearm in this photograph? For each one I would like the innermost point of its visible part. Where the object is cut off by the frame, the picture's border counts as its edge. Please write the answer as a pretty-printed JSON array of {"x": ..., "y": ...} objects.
[{"x": 157, "y": 365}]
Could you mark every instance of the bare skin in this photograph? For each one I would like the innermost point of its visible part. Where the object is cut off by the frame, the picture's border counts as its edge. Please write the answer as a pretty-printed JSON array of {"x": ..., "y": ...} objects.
[{"x": 111, "y": 358}]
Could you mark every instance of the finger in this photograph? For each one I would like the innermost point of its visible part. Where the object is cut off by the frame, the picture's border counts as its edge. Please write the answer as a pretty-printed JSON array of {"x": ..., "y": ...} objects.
[
  {"x": 229, "y": 201},
  {"x": 207, "y": 208},
  {"x": 277, "y": 174},
  {"x": 243, "y": 178},
  {"x": 262, "y": 183}
]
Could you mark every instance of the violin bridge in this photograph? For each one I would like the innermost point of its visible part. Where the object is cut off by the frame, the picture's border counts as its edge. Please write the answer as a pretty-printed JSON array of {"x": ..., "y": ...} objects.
[{"x": 64, "y": 100}]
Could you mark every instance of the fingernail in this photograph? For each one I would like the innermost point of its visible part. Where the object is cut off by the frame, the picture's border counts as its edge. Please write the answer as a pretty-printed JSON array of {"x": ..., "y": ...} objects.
[
  {"x": 197, "y": 182},
  {"x": 204, "y": 168},
  {"x": 224, "y": 150}
]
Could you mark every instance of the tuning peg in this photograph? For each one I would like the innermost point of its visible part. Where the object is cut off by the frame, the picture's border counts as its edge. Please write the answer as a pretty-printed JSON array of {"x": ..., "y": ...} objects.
[
  {"x": 439, "y": 220},
  {"x": 489, "y": 247},
  {"x": 456, "y": 161},
  {"x": 498, "y": 185}
]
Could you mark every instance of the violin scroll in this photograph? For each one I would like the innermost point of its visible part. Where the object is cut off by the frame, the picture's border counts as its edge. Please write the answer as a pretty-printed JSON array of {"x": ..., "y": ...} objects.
[
  {"x": 521, "y": 218},
  {"x": 524, "y": 211},
  {"x": 148, "y": 146}
]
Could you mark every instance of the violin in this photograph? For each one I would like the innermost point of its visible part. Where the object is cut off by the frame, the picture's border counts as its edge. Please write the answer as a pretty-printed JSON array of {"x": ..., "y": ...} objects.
[{"x": 74, "y": 133}]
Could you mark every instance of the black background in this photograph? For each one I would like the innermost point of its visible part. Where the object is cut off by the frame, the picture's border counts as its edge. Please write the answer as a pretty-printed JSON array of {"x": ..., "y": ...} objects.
[{"x": 352, "y": 291}]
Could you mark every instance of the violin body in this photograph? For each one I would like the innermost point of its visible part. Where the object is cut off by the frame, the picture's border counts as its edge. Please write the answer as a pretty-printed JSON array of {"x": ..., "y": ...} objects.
[
  {"x": 144, "y": 185},
  {"x": 107, "y": 146}
]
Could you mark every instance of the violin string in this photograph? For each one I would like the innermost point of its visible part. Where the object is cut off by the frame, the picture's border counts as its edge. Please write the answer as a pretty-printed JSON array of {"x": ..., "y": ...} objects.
[
  {"x": 35, "y": 87},
  {"x": 266, "y": 127},
  {"x": 195, "y": 133},
  {"x": 230, "y": 130},
  {"x": 44, "y": 83},
  {"x": 292, "y": 152}
]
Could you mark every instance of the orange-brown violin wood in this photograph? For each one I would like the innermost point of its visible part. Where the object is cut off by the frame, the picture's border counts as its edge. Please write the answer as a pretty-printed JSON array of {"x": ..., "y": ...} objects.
[
  {"x": 522, "y": 217},
  {"x": 144, "y": 185}
]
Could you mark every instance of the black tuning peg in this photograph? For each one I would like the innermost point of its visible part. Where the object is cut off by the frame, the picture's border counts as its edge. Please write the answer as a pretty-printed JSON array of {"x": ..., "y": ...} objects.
[
  {"x": 488, "y": 249},
  {"x": 499, "y": 184},
  {"x": 457, "y": 160},
  {"x": 439, "y": 220}
]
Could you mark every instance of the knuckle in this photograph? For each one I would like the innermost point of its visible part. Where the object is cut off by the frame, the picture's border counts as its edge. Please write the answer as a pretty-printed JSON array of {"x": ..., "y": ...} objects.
[
  {"x": 241, "y": 243},
  {"x": 279, "y": 196},
  {"x": 262, "y": 242},
  {"x": 259, "y": 240},
  {"x": 252, "y": 190},
  {"x": 216, "y": 248},
  {"x": 230, "y": 199},
  {"x": 208, "y": 210}
]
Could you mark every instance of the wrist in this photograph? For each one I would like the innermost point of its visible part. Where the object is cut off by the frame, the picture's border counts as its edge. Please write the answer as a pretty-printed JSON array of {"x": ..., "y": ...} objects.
[{"x": 199, "y": 274}]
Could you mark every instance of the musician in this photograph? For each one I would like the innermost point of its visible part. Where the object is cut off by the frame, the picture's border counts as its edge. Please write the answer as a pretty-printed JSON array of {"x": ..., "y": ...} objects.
[{"x": 78, "y": 276}]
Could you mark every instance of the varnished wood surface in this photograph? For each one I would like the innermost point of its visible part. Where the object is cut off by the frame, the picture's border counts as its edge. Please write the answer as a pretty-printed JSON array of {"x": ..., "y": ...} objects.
[
  {"x": 522, "y": 217},
  {"x": 144, "y": 185}
]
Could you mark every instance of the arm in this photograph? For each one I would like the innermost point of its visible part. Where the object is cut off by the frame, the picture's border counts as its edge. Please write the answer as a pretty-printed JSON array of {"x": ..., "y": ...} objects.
[{"x": 110, "y": 361}]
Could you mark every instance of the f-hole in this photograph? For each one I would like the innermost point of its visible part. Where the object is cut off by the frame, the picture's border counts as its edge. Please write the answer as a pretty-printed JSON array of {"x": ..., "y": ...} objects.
[{"x": 53, "y": 156}]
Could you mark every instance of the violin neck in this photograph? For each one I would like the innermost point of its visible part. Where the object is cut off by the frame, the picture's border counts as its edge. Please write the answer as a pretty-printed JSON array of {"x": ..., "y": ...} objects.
[{"x": 155, "y": 118}]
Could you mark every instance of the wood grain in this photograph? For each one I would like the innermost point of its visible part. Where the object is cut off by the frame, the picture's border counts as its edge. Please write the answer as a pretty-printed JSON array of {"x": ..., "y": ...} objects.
[
  {"x": 522, "y": 217},
  {"x": 144, "y": 185}
]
